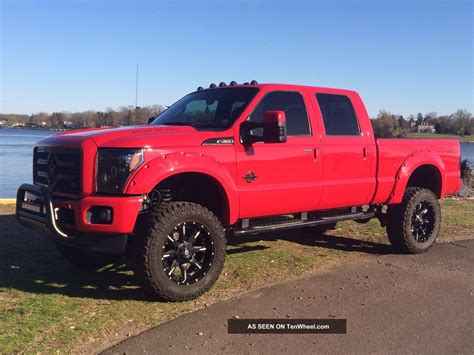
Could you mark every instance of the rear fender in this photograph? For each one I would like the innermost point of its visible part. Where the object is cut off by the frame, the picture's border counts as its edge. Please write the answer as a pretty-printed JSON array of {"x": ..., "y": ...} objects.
[
  {"x": 410, "y": 164},
  {"x": 158, "y": 169}
]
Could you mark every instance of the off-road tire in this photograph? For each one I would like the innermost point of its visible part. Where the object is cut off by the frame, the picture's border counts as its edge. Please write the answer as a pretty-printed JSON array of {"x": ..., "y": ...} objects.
[
  {"x": 86, "y": 260},
  {"x": 148, "y": 242},
  {"x": 399, "y": 221}
]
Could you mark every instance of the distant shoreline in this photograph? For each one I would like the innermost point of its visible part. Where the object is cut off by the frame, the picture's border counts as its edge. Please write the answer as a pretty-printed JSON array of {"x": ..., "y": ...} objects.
[
  {"x": 36, "y": 128},
  {"x": 465, "y": 139}
]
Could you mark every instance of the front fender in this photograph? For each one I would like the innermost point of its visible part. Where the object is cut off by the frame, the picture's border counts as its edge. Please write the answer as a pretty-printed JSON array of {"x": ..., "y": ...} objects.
[
  {"x": 158, "y": 169},
  {"x": 410, "y": 164}
]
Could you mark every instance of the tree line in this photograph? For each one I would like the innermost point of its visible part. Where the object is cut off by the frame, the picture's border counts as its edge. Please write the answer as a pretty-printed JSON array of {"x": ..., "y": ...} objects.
[
  {"x": 123, "y": 116},
  {"x": 388, "y": 125},
  {"x": 385, "y": 125}
]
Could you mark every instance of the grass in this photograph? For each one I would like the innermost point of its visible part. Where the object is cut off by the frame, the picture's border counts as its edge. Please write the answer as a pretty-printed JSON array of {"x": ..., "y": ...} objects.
[
  {"x": 440, "y": 136},
  {"x": 46, "y": 305}
]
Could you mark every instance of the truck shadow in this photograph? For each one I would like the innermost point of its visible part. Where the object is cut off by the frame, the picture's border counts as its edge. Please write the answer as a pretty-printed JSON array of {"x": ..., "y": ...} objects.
[
  {"x": 29, "y": 262},
  {"x": 315, "y": 239}
]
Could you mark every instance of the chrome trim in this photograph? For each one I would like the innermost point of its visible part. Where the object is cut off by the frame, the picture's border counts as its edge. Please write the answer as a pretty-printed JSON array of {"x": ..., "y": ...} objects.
[{"x": 219, "y": 141}]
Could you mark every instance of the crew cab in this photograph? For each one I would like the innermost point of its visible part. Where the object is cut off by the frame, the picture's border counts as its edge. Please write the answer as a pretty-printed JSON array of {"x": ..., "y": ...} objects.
[{"x": 231, "y": 159}]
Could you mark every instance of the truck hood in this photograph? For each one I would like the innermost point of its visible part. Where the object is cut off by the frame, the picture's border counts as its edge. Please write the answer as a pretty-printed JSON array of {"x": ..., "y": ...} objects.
[{"x": 133, "y": 137}]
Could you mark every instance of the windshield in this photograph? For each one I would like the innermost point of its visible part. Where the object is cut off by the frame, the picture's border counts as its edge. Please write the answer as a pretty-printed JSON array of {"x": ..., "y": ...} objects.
[{"x": 215, "y": 109}]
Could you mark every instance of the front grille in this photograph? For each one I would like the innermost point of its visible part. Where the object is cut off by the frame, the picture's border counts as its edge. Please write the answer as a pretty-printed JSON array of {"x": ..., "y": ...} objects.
[{"x": 59, "y": 169}]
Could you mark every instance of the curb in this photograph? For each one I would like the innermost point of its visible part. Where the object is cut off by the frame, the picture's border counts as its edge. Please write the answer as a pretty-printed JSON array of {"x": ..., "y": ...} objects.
[{"x": 7, "y": 201}]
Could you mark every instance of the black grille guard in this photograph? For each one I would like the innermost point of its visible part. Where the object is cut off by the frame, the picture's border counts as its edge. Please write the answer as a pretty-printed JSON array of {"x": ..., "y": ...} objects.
[{"x": 34, "y": 209}]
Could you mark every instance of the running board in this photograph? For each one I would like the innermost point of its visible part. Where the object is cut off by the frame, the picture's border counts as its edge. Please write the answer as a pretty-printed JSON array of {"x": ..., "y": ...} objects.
[{"x": 247, "y": 228}]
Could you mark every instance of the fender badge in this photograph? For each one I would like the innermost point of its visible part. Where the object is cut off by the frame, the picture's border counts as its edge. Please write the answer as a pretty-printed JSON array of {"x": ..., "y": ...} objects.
[{"x": 249, "y": 177}]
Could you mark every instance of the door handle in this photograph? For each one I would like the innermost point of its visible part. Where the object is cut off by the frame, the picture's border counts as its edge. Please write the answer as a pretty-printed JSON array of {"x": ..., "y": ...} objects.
[
  {"x": 316, "y": 154},
  {"x": 364, "y": 152}
]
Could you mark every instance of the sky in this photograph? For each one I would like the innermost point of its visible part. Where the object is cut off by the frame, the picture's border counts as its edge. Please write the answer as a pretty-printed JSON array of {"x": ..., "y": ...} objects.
[{"x": 402, "y": 56}]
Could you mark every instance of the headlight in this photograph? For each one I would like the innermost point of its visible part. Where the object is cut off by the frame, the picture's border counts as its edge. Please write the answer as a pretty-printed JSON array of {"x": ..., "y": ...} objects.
[{"x": 114, "y": 167}]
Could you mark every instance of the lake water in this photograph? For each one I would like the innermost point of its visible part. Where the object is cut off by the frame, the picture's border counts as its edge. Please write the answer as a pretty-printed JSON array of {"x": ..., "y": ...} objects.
[{"x": 16, "y": 150}]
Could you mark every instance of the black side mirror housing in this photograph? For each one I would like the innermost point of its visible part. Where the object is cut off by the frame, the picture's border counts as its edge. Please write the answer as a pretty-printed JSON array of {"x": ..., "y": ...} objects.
[
  {"x": 151, "y": 119},
  {"x": 273, "y": 129}
]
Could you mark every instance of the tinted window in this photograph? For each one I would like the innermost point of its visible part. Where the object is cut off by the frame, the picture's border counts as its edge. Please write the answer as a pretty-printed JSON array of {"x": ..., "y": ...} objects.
[
  {"x": 208, "y": 109},
  {"x": 292, "y": 104},
  {"x": 199, "y": 110},
  {"x": 338, "y": 115}
]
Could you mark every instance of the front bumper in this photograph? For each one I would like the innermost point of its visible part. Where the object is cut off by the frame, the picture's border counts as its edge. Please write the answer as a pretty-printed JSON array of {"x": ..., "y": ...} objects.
[{"x": 36, "y": 208}]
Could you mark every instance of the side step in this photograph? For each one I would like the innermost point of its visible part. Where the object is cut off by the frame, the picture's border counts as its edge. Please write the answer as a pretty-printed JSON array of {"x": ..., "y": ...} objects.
[{"x": 247, "y": 228}]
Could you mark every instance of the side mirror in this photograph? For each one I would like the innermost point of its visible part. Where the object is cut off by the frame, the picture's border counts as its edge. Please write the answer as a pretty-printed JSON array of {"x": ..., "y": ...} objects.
[
  {"x": 274, "y": 127},
  {"x": 151, "y": 119}
]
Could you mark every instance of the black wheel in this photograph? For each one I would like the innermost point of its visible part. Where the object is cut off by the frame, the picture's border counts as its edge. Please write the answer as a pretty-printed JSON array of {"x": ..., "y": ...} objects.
[
  {"x": 86, "y": 260},
  {"x": 179, "y": 252},
  {"x": 413, "y": 225}
]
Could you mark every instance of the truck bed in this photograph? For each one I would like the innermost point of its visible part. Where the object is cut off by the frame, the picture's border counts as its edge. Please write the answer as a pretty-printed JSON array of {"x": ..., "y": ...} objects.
[{"x": 393, "y": 153}]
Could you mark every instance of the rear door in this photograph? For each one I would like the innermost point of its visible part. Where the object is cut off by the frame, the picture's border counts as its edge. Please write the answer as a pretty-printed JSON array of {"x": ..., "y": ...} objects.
[
  {"x": 277, "y": 178},
  {"x": 348, "y": 150}
]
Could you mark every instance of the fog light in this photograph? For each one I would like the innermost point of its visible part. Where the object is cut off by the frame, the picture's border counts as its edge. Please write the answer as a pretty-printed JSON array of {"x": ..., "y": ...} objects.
[{"x": 99, "y": 215}]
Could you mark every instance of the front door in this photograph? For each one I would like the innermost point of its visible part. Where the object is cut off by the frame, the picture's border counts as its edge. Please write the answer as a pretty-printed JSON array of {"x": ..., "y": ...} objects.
[{"x": 278, "y": 178}]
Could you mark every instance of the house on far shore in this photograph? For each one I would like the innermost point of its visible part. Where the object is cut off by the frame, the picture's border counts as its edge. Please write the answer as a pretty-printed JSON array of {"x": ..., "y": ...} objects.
[{"x": 426, "y": 128}]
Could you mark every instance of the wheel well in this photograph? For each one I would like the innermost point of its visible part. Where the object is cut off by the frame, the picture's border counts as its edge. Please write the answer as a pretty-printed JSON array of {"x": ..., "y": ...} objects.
[
  {"x": 428, "y": 177},
  {"x": 198, "y": 188}
]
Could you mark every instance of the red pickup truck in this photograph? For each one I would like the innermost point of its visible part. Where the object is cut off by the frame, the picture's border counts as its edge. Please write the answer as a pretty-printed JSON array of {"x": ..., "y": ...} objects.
[{"x": 229, "y": 159}]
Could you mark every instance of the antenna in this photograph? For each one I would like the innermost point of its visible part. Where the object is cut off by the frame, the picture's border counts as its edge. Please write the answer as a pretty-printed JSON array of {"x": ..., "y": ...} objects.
[
  {"x": 136, "y": 90},
  {"x": 136, "y": 98}
]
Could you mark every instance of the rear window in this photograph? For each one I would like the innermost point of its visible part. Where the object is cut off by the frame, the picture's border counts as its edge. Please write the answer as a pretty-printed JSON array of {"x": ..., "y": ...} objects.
[{"x": 338, "y": 115}]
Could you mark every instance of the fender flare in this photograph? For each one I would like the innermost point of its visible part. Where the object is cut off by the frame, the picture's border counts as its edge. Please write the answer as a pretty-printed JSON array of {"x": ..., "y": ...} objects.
[
  {"x": 409, "y": 165},
  {"x": 164, "y": 166}
]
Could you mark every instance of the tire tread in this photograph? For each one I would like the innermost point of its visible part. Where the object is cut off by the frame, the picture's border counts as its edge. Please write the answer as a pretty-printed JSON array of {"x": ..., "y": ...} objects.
[
  {"x": 148, "y": 230},
  {"x": 398, "y": 220}
]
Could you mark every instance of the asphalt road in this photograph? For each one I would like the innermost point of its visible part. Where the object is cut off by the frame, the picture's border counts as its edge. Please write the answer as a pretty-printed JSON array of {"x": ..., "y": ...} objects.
[{"x": 393, "y": 304}]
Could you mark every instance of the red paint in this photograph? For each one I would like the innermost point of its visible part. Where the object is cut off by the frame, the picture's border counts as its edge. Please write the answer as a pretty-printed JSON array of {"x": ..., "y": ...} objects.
[
  {"x": 305, "y": 173},
  {"x": 123, "y": 208},
  {"x": 270, "y": 116}
]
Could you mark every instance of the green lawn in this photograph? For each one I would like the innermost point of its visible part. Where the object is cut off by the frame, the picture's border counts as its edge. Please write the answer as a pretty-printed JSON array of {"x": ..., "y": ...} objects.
[
  {"x": 46, "y": 305},
  {"x": 440, "y": 136}
]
